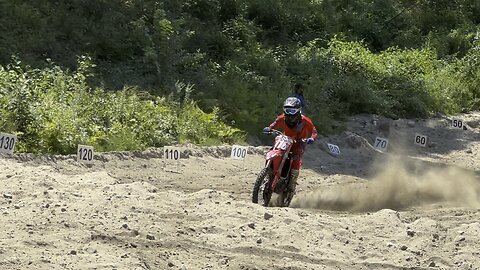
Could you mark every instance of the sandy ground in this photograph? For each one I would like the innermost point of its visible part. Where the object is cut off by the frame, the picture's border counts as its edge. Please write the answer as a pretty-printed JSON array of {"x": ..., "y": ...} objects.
[{"x": 409, "y": 207}]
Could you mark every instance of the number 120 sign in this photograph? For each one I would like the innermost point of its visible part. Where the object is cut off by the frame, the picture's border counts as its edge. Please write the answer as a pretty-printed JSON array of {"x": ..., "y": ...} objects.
[
  {"x": 85, "y": 153},
  {"x": 7, "y": 143}
]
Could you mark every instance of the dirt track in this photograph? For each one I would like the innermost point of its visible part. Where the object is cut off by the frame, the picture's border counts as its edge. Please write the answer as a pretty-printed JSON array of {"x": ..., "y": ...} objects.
[{"x": 364, "y": 209}]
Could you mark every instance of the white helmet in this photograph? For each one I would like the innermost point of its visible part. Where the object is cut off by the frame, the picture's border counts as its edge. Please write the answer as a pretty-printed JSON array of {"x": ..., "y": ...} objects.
[{"x": 292, "y": 111}]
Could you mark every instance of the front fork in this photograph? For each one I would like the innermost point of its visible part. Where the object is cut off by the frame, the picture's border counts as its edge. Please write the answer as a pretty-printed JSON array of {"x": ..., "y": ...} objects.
[{"x": 278, "y": 172}]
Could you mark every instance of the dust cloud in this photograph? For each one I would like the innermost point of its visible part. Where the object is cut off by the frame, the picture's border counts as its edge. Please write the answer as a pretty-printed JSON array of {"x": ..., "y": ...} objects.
[{"x": 398, "y": 185}]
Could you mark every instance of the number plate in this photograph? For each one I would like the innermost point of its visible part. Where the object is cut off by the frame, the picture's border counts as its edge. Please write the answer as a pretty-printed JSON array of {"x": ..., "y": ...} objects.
[
  {"x": 171, "y": 153},
  {"x": 381, "y": 143},
  {"x": 238, "y": 152},
  {"x": 333, "y": 149},
  {"x": 85, "y": 153},
  {"x": 282, "y": 142},
  {"x": 420, "y": 140}
]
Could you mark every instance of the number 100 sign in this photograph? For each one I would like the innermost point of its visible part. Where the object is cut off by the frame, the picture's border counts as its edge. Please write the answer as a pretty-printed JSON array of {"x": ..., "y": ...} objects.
[
  {"x": 238, "y": 152},
  {"x": 85, "y": 153},
  {"x": 7, "y": 143}
]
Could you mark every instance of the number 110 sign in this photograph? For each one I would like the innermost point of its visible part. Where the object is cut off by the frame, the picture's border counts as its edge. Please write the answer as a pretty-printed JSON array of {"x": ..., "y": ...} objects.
[{"x": 171, "y": 153}]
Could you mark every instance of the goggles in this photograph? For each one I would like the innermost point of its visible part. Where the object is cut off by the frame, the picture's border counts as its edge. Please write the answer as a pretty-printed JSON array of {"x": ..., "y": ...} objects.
[{"x": 291, "y": 111}]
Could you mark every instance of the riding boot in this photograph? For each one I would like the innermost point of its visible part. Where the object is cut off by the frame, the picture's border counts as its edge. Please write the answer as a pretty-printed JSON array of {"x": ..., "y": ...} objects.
[{"x": 293, "y": 180}]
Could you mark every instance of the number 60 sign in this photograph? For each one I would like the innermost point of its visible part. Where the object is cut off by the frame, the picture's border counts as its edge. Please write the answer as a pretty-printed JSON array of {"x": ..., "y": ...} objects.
[{"x": 420, "y": 140}]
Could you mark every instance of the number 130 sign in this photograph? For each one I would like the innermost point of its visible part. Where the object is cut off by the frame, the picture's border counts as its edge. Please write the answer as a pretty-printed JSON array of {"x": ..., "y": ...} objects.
[{"x": 7, "y": 143}]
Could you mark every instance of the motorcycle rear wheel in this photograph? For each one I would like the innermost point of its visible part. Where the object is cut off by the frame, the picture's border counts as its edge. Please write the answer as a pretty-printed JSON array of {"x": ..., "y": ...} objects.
[{"x": 262, "y": 192}]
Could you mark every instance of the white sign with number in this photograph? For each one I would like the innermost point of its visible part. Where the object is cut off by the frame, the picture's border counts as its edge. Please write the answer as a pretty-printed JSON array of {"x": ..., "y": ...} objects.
[
  {"x": 420, "y": 140},
  {"x": 333, "y": 149},
  {"x": 239, "y": 152},
  {"x": 7, "y": 143},
  {"x": 85, "y": 153},
  {"x": 457, "y": 123},
  {"x": 171, "y": 153},
  {"x": 381, "y": 143}
]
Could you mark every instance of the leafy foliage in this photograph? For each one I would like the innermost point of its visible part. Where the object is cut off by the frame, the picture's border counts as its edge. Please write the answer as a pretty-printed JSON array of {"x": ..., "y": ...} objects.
[
  {"x": 53, "y": 111},
  {"x": 236, "y": 60}
]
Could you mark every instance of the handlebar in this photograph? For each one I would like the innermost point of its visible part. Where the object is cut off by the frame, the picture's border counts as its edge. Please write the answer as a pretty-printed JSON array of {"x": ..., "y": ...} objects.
[
  {"x": 274, "y": 131},
  {"x": 278, "y": 132}
]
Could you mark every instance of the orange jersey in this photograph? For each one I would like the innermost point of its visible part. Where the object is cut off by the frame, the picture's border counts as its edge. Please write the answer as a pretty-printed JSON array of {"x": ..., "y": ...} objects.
[{"x": 304, "y": 129}]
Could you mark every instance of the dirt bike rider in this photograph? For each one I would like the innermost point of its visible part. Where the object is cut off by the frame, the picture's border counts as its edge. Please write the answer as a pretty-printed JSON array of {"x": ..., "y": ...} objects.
[{"x": 299, "y": 127}]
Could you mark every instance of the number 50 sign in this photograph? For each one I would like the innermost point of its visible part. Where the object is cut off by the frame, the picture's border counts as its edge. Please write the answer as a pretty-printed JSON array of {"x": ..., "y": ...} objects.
[{"x": 457, "y": 123}]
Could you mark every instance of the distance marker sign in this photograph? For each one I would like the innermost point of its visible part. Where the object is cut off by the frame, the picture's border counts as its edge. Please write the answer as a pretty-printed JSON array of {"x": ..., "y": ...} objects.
[
  {"x": 457, "y": 123},
  {"x": 334, "y": 149},
  {"x": 238, "y": 152},
  {"x": 171, "y": 153},
  {"x": 7, "y": 143},
  {"x": 85, "y": 153},
  {"x": 420, "y": 140},
  {"x": 381, "y": 143}
]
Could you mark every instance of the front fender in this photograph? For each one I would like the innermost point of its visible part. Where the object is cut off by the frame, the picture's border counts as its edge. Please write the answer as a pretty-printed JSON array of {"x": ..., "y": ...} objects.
[{"x": 272, "y": 154}]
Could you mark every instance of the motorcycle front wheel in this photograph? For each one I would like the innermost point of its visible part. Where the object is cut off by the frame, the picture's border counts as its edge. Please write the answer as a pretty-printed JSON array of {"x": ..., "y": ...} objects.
[
  {"x": 262, "y": 192},
  {"x": 284, "y": 199}
]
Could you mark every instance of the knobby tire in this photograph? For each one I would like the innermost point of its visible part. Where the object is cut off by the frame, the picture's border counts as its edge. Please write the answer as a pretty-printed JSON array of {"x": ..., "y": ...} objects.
[{"x": 264, "y": 176}]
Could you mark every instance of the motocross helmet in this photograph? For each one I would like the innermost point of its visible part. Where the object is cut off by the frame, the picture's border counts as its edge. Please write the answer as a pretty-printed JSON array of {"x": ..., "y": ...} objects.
[{"x": 292, "y": 111}]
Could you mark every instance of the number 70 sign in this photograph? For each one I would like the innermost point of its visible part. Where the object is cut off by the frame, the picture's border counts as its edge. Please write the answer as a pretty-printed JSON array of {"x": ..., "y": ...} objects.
[{"x": 381, "y": 143}]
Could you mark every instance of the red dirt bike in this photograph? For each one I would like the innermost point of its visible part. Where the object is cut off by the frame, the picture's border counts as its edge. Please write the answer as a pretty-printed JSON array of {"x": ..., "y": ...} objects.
[{"x": 274, "y": 177}]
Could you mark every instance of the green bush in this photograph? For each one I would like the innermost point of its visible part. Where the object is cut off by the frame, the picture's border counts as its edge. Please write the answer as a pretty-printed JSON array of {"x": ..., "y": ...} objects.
[
  {"x": 239, "y": 58},
  {"x": 348, "y": 78},
  {"x": 52, "y": 111}
]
